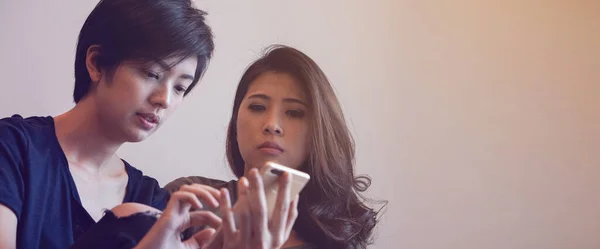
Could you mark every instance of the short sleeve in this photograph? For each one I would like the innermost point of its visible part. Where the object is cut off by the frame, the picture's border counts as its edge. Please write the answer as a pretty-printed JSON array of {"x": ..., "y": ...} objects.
[{"x": 13, "y": 148}]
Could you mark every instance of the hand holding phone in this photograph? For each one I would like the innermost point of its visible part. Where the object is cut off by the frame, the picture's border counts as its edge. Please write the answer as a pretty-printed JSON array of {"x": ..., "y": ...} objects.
[
  {"x": 270, "y": 175},
  {"x": 254, "y": 219}
]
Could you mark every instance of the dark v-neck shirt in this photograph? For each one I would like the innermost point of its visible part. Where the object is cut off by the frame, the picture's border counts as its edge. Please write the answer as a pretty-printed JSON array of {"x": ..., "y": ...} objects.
[{"x": 36, "y": 184}]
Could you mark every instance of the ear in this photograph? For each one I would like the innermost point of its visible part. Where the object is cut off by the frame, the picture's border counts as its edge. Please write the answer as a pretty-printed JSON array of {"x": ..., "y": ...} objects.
[{"x": 91, "y": 62}]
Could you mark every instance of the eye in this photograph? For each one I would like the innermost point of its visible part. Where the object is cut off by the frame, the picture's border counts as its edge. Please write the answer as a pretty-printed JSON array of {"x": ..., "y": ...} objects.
[
  {"x": 180, "y": 89},
  {"x": 256, "y": 107},
  {"x": 295, "y": 113},
  {"x": 152, "y": 75}
]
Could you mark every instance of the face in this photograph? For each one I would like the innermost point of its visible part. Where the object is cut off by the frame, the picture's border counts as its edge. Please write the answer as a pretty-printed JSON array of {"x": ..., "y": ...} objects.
[
  {"x": 273, "y": 122},
  {"x": 138, "y": 97}
]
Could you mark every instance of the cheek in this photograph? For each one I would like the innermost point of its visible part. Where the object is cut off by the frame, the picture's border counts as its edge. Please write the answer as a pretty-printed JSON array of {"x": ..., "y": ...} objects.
[
  {"x": 304, "y": 143},
  {"x": 126, "y": 89},
  {"x": 301, "y": 146},
  {"x": 112, "y": 101},
  {"x": 243, "y": 131},
  {"x": 173, "y": 107}
]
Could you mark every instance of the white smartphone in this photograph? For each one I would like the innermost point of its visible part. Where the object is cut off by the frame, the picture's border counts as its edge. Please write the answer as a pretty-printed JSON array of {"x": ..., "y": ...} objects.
[{"x": 270, "y": 175}]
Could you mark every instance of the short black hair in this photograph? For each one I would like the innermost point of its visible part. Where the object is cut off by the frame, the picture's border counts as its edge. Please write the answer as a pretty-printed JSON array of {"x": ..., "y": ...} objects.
[{"x": 149, "y": 30}]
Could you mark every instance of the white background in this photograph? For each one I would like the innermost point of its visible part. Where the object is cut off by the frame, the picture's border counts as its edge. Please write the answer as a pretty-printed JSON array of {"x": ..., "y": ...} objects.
[{"x": 479, "y": 121}]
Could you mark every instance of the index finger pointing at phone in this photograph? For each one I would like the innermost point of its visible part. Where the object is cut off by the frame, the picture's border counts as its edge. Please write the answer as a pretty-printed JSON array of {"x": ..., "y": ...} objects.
[{"x": 207, "y": 194}]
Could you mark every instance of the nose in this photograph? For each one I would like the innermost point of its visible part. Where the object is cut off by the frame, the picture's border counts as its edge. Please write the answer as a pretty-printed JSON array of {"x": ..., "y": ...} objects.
[
  {"x": 161, "y": 96},
  {"x": 273, "y": 125}
]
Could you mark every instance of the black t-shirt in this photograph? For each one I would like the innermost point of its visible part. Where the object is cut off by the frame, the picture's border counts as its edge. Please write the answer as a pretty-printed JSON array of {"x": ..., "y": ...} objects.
[{"x": 36, "y": 184}]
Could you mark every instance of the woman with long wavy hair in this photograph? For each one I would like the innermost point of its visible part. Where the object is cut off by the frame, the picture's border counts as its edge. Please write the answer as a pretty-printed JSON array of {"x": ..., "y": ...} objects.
[{"x": 286, "y": 111}]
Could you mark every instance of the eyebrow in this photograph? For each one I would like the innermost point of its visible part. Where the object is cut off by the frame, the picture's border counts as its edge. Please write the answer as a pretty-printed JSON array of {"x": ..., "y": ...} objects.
[
  {"x": 166, "y": 67},
  {"x": 265, "y": 97}
]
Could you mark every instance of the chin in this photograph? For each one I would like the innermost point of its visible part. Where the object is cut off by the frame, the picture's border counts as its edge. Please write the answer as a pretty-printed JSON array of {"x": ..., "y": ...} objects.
[
  {"x": 261, "y": 163},
  {"x": 136, "y": 140},
  {"x": 285, "y": 163},
  {"x": 257, "y": 164},
  {"x": 137, "y": 136}
]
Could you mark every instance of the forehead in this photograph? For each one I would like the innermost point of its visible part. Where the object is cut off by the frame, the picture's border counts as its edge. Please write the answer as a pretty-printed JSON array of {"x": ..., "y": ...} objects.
[
  {"x": 175, "y": 64},
  {"x": 277, "y": 84}
]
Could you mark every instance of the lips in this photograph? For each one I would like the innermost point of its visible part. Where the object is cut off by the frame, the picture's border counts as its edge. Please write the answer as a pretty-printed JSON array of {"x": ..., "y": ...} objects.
[
  {"x": 150, "y": 117},
  {"x": 271, "y": 148},
  {"x": 148, "y": 121}
]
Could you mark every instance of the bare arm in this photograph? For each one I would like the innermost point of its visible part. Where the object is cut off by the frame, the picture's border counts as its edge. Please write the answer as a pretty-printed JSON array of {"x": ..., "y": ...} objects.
[{"x": 8, "y": 228}]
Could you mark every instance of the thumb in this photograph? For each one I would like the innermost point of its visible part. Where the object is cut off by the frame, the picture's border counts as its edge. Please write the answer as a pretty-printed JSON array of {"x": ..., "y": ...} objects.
[
  {"x": 214, "y": 242},
  {"x": 202, "y": 218},
  {"x": 200, "y": 239}
]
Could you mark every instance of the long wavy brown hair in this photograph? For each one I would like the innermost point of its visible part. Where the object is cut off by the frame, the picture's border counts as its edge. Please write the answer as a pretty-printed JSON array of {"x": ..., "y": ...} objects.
[{"x": 331, "y": 211}]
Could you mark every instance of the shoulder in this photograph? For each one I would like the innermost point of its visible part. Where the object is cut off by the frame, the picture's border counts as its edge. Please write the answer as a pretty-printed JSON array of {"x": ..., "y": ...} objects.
[
  {"x": 18, "y": 133},
  {"x": 15, "y": 125},
  {"x": 18, "y": 122},
  {"x": 215, "y": 183},
  {"x": 18, "y": 129},
  {"x": 12, "y": 131}
]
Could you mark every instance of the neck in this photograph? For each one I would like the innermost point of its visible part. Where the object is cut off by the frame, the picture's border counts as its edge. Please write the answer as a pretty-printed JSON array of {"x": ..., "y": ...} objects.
[{"x": 85, "y": 143}]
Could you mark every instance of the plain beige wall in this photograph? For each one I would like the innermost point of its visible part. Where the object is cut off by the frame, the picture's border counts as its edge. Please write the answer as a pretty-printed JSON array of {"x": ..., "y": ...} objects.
[{"x": 478, "y": 121}]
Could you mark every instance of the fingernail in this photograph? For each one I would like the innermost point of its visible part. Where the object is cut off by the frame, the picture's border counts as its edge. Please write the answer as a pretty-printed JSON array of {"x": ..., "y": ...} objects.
[
  {"x": 243, "y": 187},
  {"x": 224, "y": 194},
  {"x": 256, "y": 175}
]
